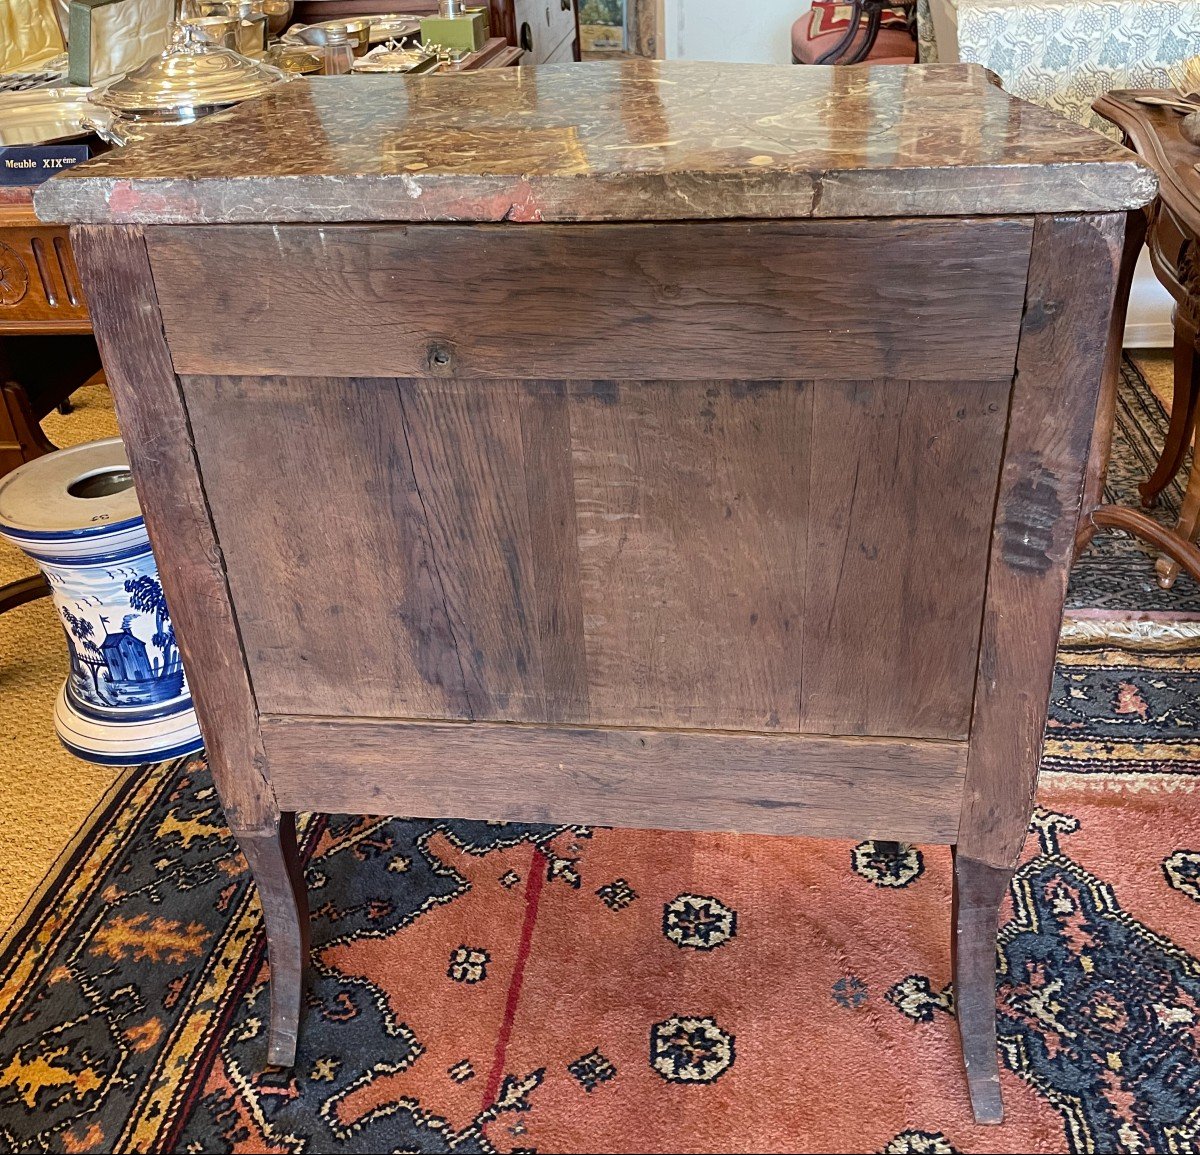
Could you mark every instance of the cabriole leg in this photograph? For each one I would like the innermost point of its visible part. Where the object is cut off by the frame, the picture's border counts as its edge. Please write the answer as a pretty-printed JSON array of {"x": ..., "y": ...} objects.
[
  {"x": 275, "y": 864},
  {"x": 978, "y": 892}
]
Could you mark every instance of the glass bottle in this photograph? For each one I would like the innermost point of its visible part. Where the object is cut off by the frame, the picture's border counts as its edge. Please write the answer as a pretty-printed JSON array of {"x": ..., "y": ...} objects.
[{"x": 339, "y": 53}]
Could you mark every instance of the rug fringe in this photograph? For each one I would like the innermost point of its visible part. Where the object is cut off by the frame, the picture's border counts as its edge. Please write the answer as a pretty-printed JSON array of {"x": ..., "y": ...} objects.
[{"x": 1079, "y": 629}]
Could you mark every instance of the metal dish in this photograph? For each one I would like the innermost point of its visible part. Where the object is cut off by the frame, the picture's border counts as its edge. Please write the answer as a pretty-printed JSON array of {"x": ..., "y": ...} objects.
[
  {"x": 358, "y": 30},
  {"x": 190, "y": 79},
  {"x": 220, "y": 30},
  {"x": 294, "y": 59},
  {"x": 44, "y": 115}
]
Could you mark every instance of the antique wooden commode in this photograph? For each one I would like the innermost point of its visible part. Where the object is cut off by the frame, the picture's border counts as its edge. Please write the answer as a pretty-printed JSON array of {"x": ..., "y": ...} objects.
[{"x": 654, "y": 444}]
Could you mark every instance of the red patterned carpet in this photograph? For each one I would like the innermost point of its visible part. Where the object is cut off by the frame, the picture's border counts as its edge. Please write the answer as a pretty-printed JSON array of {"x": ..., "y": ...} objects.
[{"x": 502, "y": 988}]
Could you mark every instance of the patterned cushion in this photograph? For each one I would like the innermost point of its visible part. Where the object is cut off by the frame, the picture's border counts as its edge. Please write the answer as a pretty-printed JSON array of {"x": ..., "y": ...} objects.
[
  {"x": 892, "y": 45},
  {"x": 830, "y": 16}
]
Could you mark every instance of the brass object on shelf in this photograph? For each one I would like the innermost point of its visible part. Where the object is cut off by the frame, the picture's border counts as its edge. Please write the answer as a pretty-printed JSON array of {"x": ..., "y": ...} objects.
[
  {"x": 464, "y": 29},
  {"x": 252, "y": 28},
  {"x": 278, "y": 14},
  {"x": 294, "y": 59}
]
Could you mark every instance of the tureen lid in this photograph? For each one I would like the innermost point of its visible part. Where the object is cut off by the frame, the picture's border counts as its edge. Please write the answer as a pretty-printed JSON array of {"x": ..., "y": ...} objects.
[{"x": 190, "y": 73}]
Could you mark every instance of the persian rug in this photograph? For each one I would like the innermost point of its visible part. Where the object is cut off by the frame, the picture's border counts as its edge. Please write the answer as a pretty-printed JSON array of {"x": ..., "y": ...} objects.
[
  {"x": 485, "y": 987},
  {"x": 1116, "y": 572}
]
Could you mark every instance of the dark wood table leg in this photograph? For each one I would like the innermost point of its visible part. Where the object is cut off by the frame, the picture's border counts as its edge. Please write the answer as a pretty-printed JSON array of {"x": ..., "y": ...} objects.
[
  {"x": 1060, "y": 368},
  {"x": 23, "y": 590},
  {"x": 978, "y": 891},
  {"x": 21, "y": 437},
  {"x": 1136, "y": 224},
  {"x": 275, "y": 863},
  {"x": 1184, "y": 398}
]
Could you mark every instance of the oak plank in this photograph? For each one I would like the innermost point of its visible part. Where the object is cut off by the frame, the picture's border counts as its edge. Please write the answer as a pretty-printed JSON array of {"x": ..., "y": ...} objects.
[
  {"x": 1072, "y": 286},
  {"x": 467, "y": 447},
  {"x": 736, "y": 300},
  {"x": 692, "y": 508},
  {"x": 554, "y": 533},
  {"x": 674, "y": 780},
  {"x": 901, "y": 494}
]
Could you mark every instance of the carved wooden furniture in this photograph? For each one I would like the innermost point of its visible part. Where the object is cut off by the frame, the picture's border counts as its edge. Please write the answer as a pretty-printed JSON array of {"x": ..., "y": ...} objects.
[
  {"x": 46, "y": 348},
  {"x": 1174, "y": 238},
  {"x": 1172, "y": 229},
  {"x": 589, "y": 482}
]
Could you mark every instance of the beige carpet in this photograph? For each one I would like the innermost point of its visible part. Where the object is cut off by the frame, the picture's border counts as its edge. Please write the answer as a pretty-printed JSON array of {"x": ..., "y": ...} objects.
[
  {"x": 45, "y": 793},
  {"x": 1158, "y": 366}
]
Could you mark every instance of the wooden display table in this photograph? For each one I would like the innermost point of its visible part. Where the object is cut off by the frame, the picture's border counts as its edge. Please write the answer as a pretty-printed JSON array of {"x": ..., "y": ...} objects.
[{"x": 476, "y": 494}]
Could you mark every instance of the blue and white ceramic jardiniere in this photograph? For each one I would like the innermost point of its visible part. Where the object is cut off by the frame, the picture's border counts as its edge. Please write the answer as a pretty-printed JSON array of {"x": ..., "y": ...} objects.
[{"x": 75, "y": 513}]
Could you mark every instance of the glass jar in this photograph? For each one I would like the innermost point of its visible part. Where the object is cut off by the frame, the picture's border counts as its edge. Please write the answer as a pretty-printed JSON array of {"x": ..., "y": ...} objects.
[{"x": 339, "y": 52}]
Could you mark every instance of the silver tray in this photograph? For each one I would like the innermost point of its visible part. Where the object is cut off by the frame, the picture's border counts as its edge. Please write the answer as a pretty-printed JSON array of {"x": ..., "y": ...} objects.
[
  {"x": 393, "y": 27},
  {"x": 407, "y": 60},
  {"x": 45, "y": 115}
]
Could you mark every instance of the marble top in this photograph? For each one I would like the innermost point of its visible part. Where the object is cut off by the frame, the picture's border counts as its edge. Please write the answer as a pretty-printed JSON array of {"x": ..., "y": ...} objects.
[{"x": 621, "y": 140}]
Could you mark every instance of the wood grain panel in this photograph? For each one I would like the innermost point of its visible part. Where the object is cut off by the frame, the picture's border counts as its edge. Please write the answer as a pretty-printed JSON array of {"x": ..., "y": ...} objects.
[
  {"x": 692, "y": 504},
  {"x": 554, "y": 533},
  {"x": 682, "y": 780},
  {"x": 903, "y": 486},
  {"x": 468, "y": 458},
  {"x": 330, "y": 561},
  {"x": 697, "y": 301},
  {"x": 759, "y": 556}
]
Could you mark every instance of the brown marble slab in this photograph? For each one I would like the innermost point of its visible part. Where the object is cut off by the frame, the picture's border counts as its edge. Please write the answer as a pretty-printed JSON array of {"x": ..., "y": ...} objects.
[{"x": 602, "y": 141}]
